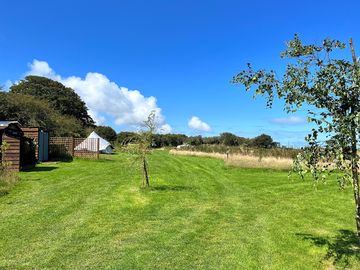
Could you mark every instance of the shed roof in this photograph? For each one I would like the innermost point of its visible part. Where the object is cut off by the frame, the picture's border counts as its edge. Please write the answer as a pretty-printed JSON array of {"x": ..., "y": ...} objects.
[{"x": 5, "y": 124}]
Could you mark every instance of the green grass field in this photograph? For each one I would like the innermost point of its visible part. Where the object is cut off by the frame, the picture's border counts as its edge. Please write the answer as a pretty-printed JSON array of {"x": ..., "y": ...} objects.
[{"x": 198, "y": 214}]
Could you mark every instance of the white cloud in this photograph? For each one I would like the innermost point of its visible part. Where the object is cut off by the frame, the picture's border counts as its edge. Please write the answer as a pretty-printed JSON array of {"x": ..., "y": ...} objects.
[
  {"x": 165, "y": 129},
  {"x": 197, "y": 124},
  {"x": 291, "y": 120},
  {"x": 105, "y": 98},
  {"x": 7, "y": 85},
  {"x": 42, "y": 68}
]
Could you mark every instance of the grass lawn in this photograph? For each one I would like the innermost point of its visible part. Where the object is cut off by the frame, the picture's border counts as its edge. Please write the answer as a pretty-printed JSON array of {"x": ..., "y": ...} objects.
[{"x": 198, "y": 214}]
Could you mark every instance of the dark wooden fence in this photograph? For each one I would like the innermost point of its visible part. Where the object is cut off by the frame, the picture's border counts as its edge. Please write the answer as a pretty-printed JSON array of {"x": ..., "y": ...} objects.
[
  {"x": 68, "y": 147},
  {"x": 11, "y": 157}
]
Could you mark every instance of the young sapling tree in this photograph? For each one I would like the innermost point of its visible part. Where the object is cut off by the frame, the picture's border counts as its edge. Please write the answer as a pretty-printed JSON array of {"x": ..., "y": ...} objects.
[
  {"x": 143, "y": 146},
  {"x": 330, "y": 87}
]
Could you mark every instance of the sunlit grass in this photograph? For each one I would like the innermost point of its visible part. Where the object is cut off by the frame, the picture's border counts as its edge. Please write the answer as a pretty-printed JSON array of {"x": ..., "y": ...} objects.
[{"x": 197, "y": 214}]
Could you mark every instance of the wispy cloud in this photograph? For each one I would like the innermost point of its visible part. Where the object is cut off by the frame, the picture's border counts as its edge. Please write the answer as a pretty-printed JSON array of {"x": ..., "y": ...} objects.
[
  {"x": 291, "y": 120},
  {"x": 6, "y": 86},
  {"x": 197, "y": 124},
  {"x": 165, "y": 129}
]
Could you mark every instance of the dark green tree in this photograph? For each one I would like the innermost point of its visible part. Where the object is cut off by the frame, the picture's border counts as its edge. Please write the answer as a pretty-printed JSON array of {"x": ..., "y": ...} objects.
[
  {"x": 32, "y": 112},
  {"x": 263, "y": 141},
  {"x": 106, "y": 132},
  {"x": 229, "y": 139},
  {"x": 211, "y": 140},
  {"x": 126, "y": 137},
  {"x": 330, "y": 87},
  {"x": 195, "y": 140},
  {"x": 61, "y": 98},
  {"x": 172, "y": 140}
]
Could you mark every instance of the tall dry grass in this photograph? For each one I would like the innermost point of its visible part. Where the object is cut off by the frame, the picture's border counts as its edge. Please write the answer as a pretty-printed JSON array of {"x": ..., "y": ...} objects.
[
  {"x": 7, "y": 181},
  {"x": 243, "y": 161},
  {"x": 245, "y": 150}
]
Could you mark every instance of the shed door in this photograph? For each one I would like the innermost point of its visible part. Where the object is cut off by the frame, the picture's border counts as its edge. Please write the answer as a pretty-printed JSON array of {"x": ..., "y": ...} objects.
[
  {"x": 46, "y": 146},
  {"x": 43, "y": 146}
]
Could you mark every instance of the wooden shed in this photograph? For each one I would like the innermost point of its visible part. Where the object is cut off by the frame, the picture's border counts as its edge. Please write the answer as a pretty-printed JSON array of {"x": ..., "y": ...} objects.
[
  {"x": 11, "y": 133},
  {"x": 41, "y": 139}
]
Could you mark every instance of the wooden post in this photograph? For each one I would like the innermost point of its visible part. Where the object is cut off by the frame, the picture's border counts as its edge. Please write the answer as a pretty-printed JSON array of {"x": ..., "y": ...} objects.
[
  {"x": 146, "y": 176},
  {"x": 98, "y": 148},
  {"x": 72, "y": 147}
]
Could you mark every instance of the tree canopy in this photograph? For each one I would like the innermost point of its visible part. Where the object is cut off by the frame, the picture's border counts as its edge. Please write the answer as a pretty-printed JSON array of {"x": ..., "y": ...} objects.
[
  {"x": 30, "y": 111},
  {"x": 263, "y": 141},
  {"x": 330, "y": 87},
  {"x": 106, "y": 132},
  {"x": 229, "y": 139},
  {"x": 61, "y": 98}
]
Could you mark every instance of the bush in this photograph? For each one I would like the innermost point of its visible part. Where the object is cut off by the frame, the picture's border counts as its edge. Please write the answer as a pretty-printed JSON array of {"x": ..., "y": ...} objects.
[
  {"x": 28, "y": 152},
  {"x": 59, "y": 152},
  {"x": 211, "y": 140}
]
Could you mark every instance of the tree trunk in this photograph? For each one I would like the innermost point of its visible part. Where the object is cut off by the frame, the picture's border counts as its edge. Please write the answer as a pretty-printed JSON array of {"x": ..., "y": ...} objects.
[
  {"x": 355, "y": 175},
  {"x": 354, "y": 155},
  {"x": 146, "y": 176},
  {"x": 355, "y": 172},
  {"x": 355, "y": 178}
]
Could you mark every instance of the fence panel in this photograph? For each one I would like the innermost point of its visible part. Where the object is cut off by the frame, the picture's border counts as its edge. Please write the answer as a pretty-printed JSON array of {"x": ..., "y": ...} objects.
[
  {"x": 86, "y": 148},
  {"x": 62, "y": 147}
]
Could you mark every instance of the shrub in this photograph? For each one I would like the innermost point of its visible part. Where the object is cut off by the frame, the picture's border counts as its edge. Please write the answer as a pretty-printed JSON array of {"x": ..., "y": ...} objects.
[
  {"x": 28, "y": 152},
  {"x": 59, "y": 152}
]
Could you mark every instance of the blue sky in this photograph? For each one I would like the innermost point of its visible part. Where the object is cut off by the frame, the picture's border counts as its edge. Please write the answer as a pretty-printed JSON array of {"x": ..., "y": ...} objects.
[{"x": 182, "y": 53}]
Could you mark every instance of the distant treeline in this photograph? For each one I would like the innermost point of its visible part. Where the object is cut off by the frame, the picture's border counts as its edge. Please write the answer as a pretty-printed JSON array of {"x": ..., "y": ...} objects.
[{"x": 226, "y": 139}]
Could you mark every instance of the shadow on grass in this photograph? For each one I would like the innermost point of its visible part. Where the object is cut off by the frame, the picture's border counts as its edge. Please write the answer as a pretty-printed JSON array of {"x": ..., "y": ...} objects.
[
  {"x": 170, "y": 188},
  {"x": 3, "y": 193},
  {"x": 105, "y": 159},
  {"x": 342, "y": 249},
  {"x": 41, "y": 169}
]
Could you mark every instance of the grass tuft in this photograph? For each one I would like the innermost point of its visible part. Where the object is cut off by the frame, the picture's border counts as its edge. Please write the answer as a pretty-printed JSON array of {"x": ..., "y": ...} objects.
[{"x": 8, "y": 180}]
